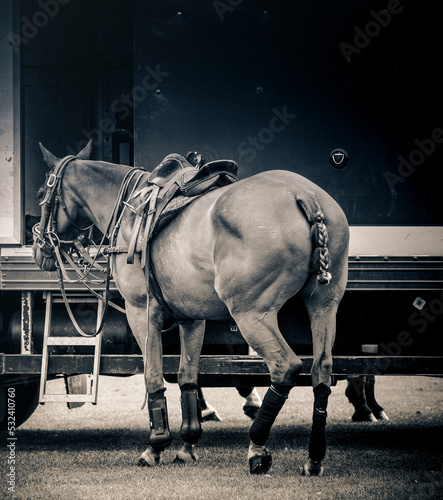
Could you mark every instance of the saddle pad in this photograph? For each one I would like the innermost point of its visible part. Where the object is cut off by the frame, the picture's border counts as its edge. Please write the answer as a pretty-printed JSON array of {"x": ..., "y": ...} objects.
[{"x": 172, "y": 209}]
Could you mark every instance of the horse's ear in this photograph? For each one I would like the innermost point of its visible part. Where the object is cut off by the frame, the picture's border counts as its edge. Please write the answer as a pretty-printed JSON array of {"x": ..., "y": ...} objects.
[
  {"x": 49, "y": 158},
  {"x": 85, "y": 153}
]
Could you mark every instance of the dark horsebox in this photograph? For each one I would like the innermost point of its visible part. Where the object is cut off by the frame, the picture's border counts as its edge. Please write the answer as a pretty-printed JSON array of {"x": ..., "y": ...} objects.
[{"x": 344, "y": 93}]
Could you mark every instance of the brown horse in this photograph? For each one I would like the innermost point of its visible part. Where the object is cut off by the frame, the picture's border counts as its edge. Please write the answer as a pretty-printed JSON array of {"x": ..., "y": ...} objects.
[{"x": 242, "y": 251}]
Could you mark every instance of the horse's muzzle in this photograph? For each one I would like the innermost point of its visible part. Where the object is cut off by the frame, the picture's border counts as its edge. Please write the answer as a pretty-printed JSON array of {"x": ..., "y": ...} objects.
[
  {"x": 44, "y": 262},
  {"x": 43, "y": 256}
]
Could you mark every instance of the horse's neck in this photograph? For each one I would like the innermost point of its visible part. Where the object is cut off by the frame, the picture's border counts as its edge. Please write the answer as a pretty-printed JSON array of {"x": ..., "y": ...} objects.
[{"x": 98, "y": 189}]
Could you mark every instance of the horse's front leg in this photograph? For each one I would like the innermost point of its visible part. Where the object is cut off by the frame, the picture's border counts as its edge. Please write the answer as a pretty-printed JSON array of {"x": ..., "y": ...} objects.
[
  {"x": 146, "y": 325},
  {"x": 191, "y": 340}
]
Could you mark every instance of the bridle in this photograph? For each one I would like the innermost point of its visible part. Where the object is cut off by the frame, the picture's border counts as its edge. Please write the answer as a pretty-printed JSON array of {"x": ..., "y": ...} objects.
[
  {"x": 45, "y": 232},
  {"x": 47, "y": 238}
]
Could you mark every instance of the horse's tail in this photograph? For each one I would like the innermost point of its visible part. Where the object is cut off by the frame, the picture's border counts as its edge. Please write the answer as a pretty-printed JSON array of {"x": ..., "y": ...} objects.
[{"x": 321, "y": 259}]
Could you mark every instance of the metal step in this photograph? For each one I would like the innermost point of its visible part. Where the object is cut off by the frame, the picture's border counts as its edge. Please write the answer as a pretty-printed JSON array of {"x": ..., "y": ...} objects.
[{"x": 48, "y": 341}]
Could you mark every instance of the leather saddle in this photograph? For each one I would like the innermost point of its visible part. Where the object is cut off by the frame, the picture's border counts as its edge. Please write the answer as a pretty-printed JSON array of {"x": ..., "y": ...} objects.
[
  {"x": 191, "y": 179},
  {"x": 168, "y": 189}
]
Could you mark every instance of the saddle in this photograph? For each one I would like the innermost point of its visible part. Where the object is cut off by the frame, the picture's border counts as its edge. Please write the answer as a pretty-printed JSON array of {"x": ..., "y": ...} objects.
[
  {"x": 161, "y": 196},
  {"x": 191, "y": 179},
  {"x": 171, "y": 186}
]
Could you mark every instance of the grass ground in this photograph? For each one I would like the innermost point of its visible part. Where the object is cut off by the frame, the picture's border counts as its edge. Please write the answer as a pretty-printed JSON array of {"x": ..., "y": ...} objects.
[{"x": 92, "y": 451}]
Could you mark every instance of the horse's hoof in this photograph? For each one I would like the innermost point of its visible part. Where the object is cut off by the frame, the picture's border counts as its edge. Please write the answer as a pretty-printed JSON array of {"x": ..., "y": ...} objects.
[
  {"x": 149, "y": 460},
  {"x": 150, "y": 463},
  {"x": 183, "y": 458},
  {"x": 251, "y": 411},
  {"x": 381, "y": 415},
  {"x": 260, "y": 464},
  {"x": 190, "y": 460},
  {"x": 312, "y": 468},
  {"x": 363, "y": 417}
]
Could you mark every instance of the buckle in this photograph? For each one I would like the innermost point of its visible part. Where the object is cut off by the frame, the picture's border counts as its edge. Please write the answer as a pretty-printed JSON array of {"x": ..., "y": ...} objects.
[
  {"x": 40, "y": 242},
  {"x": 51, "y": 180}
]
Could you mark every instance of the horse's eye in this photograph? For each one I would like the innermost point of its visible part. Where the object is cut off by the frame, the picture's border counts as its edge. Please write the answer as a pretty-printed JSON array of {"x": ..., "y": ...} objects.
[{"x": 40, "y": 194}]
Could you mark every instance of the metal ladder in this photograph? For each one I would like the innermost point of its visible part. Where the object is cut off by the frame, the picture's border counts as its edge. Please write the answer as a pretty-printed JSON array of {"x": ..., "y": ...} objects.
[{"x": 48, "y": 342}]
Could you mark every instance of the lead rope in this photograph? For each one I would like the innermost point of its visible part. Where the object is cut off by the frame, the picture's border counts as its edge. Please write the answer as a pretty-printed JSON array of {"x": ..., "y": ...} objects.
[
  {"x": 105, "y": 298},
  {"x": 85, "y": 283}
]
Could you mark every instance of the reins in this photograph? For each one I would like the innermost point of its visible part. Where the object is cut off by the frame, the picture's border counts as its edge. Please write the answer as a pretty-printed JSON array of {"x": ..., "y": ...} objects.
[{"x": 46, "y": 236}]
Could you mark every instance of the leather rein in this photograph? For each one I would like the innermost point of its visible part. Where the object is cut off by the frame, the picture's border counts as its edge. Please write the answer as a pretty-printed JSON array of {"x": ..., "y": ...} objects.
[{"x": 47, "y": 238}]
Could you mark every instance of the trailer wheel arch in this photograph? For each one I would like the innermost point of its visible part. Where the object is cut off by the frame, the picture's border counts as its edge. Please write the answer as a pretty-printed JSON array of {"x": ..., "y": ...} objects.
[{"x": 23, "y": 403}]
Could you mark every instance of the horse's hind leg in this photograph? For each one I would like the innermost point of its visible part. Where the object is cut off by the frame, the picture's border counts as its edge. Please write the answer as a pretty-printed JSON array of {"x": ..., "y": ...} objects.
[
  {"x": 261, "y": 331},
  {"x": 191, "y": 340},
  {"x": 322, "y": 311}
]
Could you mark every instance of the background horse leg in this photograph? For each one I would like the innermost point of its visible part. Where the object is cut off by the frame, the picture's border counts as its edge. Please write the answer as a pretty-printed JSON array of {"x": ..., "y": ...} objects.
[
  {"x": 322, "y": 312},
  {"x": 251, "y": 405},
  {"x": 377, "y": 410},
  {"x": 361, "y": 394},
  {"x": 149, "y": 340},
  {"x": 356, "y": 394},
  {"x": 191, "y": 341},
  {"x": 252, "y": 401},
  {"x": 208, "y": 411},
  {"x": 261, "y": 332}
]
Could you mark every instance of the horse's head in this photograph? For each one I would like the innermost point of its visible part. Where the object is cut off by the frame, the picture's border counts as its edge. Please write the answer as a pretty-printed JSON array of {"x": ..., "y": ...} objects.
[{"x": 61, "y": 219}]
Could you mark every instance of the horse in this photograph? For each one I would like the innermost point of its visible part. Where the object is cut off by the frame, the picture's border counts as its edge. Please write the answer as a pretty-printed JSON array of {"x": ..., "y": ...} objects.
[{"x": 241, "y": 250}]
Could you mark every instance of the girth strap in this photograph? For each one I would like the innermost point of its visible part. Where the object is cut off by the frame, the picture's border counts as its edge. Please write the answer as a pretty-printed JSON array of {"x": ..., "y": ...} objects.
[{"x": 146, "y": 218}]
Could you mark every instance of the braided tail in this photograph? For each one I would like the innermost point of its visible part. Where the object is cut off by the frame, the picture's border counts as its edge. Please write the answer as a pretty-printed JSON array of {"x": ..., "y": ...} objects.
[{"x": 320, "y": 260}]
